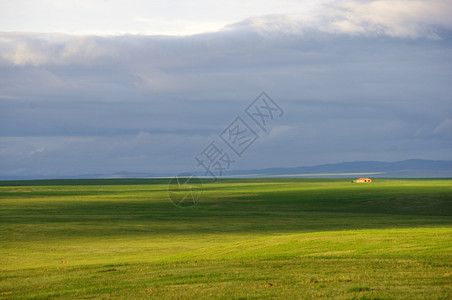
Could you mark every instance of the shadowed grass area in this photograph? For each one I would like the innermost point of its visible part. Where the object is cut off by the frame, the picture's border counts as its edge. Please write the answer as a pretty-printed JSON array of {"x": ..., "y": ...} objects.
[{"x": 246, "y": 238}]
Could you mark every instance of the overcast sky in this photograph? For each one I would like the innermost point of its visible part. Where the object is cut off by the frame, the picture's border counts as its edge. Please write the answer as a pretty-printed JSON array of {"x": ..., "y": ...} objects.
[{"x": 98, "y": 87}]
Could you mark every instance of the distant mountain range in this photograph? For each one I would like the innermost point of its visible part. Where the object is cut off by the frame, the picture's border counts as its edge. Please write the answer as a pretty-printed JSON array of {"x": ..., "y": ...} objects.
[{"x": 412, "y": 168}]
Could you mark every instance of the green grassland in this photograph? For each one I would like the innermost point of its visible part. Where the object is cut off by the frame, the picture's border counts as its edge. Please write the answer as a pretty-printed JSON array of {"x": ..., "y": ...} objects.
[{"x": 246, "y": 239}]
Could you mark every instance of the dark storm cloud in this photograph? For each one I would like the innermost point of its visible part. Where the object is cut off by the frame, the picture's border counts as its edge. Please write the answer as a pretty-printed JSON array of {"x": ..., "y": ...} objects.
[{"x": 75, "y": 105}]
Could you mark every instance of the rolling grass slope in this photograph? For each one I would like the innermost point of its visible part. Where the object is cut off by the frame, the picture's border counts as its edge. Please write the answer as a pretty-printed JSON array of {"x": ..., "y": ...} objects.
[{"x": 280, "y": 238}]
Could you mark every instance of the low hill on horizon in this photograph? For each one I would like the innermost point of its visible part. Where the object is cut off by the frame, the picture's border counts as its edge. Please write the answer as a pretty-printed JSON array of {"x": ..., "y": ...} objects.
[{"x": 411, "y": 168}]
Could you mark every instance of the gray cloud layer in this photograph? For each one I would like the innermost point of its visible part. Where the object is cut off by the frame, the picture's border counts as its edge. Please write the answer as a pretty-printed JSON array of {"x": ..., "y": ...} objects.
[{"x": 90, "y": 104}]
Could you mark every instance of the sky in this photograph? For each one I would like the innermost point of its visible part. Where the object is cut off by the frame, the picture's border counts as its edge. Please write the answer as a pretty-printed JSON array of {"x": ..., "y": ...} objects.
[{"x": 99, "y": 87}]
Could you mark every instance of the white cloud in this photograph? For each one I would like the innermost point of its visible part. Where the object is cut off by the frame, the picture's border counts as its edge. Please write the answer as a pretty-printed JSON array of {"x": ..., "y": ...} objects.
[
  {"x": 397, "y": 18},
  {"x": 394, "y": 18},
  {"x": 178, "y": 26},
  {"x": 29, "y": 49},
  {"x": 157, "y": 17},
  {"x": 22, "y": 54}
]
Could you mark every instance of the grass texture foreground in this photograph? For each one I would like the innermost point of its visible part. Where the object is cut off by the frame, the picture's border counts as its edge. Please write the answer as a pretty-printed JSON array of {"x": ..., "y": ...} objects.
[{"x": 246, "y": 239}]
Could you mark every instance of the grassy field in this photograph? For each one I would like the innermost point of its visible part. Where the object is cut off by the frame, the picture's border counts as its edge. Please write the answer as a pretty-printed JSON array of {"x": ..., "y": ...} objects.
[{"x": 249, "y": 239}]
